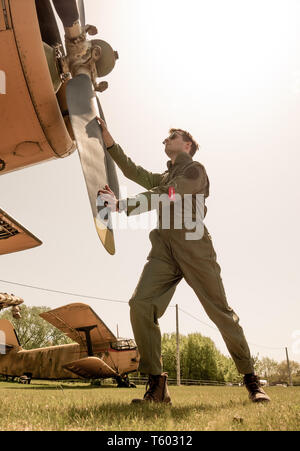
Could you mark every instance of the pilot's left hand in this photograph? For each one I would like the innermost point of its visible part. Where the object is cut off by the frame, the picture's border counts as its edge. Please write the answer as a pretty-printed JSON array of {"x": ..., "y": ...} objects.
[{"x": 107, "y": 195}]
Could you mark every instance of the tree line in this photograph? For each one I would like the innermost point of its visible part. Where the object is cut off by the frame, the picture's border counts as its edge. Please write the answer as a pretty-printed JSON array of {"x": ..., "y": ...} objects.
[
  {"x": 33, "y": 331},
  {"x": 199, "y": 357}
]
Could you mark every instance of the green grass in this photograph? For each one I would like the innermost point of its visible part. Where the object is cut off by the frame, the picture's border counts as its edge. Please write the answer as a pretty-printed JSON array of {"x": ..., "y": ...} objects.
[{"x": 78, "y": 406}]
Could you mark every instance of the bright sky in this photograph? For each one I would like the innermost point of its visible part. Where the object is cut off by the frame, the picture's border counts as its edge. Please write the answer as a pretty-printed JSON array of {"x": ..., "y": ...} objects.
[{"x": 229, "y": 72}]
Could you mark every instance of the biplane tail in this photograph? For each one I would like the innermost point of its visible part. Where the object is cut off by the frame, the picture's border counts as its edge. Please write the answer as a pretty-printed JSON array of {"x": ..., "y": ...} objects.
[{"x": 8, "y": 337}]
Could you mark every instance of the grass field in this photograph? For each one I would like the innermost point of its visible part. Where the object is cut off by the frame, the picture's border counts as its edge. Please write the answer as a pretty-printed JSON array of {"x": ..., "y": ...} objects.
[{"x": 77, "y": 406}]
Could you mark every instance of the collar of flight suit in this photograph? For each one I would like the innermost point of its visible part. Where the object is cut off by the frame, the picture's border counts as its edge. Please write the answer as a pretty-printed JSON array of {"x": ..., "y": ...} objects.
[{"x": 181, "y": 159}]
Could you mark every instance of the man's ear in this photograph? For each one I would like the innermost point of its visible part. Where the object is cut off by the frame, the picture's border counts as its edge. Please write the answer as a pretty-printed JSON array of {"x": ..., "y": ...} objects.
[{"x": 188, "y": 146}]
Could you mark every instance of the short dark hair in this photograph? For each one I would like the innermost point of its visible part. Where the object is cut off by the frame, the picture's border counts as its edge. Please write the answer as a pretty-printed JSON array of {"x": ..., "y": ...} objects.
[{"x": 187, "y": 137}]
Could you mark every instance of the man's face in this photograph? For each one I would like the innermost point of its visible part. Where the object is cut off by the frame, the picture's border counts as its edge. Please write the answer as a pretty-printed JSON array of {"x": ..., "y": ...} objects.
[{"x": 174, "y": 144}]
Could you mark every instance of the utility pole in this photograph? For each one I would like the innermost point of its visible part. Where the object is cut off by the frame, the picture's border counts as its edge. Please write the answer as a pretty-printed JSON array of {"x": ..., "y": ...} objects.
[
  {"x": 178, "y": 349},
  {"x": 289, "y": 368},
  {"x": 117, "y": 331}
]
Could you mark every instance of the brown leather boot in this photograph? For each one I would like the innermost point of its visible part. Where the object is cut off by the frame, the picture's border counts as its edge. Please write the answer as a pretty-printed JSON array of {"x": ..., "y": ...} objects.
[
  {"x": 156, "y": 390},
  {"x": 256, "y": 393}
]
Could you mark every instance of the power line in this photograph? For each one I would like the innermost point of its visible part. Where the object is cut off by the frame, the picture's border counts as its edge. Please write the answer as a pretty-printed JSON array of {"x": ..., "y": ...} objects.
[
  {"x": 197, "y": 319},
  {"x": 217, "y": 330},
  {"x": 267, "y": 347},
  {"x": 65, "y": 292},
  {"x": 123, "y": 302}
]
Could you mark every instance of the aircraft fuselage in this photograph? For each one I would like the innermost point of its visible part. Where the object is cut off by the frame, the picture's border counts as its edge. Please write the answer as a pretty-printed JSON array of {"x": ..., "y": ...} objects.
[{"x": 47, "y": 363}]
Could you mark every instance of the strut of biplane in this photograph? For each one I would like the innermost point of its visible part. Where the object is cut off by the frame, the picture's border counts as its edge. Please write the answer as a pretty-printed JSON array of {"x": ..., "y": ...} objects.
[{"x": 52, "y": 93}]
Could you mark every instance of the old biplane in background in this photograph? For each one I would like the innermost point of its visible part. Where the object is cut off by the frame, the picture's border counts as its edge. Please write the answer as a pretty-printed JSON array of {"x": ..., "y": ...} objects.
[
  {"x": 96, "y": 353},
  {"x": 51, "y": 97}
]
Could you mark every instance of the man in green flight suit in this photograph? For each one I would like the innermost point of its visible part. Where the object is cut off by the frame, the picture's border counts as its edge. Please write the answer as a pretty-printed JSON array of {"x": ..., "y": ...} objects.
[{"x": 177, "y": 252}]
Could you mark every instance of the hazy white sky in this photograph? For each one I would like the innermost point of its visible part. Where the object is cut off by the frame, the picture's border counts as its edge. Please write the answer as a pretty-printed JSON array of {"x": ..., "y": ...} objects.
[{"x": 229, "y": 72}]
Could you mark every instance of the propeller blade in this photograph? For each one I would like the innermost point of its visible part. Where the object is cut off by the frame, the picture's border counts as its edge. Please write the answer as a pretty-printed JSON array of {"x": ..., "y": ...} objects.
[
  {"x": 82, "y": 105},
  {"x": 113, "y": 181},
  {"x": 67, "y": 11},
  {"x": 81, "y": 12}
]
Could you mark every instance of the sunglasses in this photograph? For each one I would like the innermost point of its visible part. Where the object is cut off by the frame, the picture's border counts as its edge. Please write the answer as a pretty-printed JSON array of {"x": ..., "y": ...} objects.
[{"x": 173, "y": 135}]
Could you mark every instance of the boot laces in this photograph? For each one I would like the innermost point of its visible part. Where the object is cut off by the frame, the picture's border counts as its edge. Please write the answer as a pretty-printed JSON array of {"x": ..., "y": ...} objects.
[
  {"x": 150, "y": 387},
  {"x": 253, "y": 384}
]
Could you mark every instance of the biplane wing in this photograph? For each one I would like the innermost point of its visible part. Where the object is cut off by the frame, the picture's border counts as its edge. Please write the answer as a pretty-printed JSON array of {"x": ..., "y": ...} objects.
[
  {"x": 13, "y": 236},
  {"x": 90, "y": 367},
  {"x": 79, "y": 322}
]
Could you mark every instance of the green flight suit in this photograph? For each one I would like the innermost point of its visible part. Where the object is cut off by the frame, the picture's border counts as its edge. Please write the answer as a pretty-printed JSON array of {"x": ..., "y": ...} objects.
[{"x": 172, "y": 258}]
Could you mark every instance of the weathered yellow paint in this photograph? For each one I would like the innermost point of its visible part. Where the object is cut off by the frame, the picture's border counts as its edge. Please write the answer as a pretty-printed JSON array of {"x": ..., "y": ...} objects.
[
  {"x": 32, "y": 128},
  {"x": 49, "y": 362}
]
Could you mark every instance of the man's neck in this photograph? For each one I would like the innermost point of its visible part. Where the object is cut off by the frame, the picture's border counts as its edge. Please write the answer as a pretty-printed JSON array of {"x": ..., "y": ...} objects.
[
  {"x": 174, "y": 156},
  {"x": 180, "y": 158},
  {"x": 179, "y": 155}
]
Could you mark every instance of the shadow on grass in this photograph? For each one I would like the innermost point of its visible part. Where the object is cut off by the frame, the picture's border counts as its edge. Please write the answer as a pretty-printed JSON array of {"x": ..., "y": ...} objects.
[
  {"x": 16, "y": 386},
  {"x": 119, "y": 411}
]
